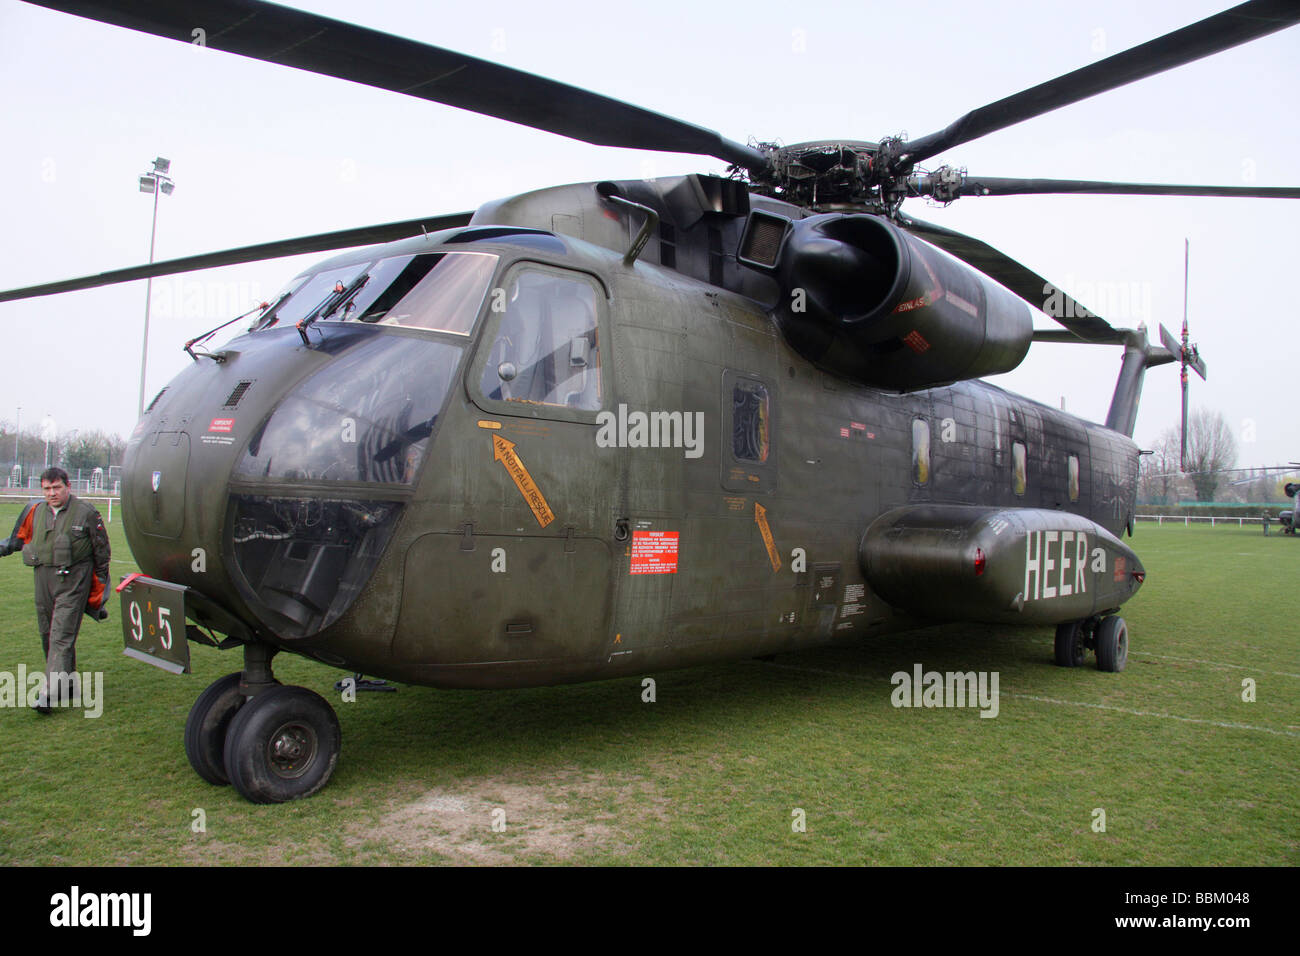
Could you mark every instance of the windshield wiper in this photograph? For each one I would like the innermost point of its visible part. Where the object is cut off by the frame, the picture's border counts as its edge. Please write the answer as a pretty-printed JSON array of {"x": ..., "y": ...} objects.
[
  {"x": 268, "y": 317},
  {"x": 331, "y": 303},
  {"x": 189, "y": 346}
]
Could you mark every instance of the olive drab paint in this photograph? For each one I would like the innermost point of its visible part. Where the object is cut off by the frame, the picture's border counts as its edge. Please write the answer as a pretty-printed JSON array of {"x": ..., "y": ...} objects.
[
  {"x": 647, "y": 506},
  {"x": 571, "y": 437}
]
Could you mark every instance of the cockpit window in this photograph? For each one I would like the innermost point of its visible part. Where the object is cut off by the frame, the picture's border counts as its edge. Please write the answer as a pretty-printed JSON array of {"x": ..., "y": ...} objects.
[
  {"x": 442, "y": 292},
  {"x": 312, "y": 293},
  {"x": 365, "y": 417},
  {"x": 547, "y": 348}
]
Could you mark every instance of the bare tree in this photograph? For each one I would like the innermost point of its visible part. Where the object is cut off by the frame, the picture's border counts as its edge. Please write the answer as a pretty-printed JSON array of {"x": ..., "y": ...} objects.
[
  {"x": 1211, "y": 450},
  {"x": 1158, "y": 471},
  {"x": 1260, "y": 489}
]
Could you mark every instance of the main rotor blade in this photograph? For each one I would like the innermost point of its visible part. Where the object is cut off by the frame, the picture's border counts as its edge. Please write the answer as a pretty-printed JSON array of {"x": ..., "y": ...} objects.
[
  {"x": 306, "y": 41},
  {"x": 343, "y": 239},
  {"x": 1021, "y": 280},
  {"x": 1242, "y": 23},
  {"x": 998, "y": 186}
]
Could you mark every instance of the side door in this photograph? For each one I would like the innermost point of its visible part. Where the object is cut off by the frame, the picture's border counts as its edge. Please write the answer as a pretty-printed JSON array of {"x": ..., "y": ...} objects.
[{"x": 529, "y": 573}]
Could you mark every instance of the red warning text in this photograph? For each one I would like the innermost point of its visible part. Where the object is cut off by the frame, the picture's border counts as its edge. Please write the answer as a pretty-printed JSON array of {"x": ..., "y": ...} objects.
[{"x": 654, "y": 552}]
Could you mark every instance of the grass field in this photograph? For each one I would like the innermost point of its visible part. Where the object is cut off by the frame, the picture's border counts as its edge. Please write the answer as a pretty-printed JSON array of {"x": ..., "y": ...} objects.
[{"x": 717, "y": 768}]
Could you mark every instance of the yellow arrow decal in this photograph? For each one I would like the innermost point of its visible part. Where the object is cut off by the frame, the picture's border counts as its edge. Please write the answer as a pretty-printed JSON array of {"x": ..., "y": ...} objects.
[
  {"x": 504, "y": 452},
  {"x": 760, "y": 518}
]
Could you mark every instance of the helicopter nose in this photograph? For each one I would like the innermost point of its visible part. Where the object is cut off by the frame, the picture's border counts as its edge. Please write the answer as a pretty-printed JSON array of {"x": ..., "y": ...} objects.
[
  {"x": 272, "y": 480},
  {"x": 178, "y": 461},
  {"x": 156, "y": 482}
]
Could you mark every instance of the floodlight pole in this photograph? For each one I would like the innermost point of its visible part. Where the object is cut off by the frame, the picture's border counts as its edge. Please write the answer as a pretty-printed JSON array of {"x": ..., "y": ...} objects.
[{"x": 156, "y": 179}]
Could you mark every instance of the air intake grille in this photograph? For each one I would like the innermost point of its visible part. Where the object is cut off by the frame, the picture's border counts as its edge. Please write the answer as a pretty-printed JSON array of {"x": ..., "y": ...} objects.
[
  {"x": 761, "y": 244},
  {"x": 237, "y": 394}
]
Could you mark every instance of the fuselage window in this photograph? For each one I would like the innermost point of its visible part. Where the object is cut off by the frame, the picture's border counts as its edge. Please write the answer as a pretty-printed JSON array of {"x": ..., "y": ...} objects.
[
  {"x": 1074, "y": 477},
  {"x": 751, "y": 420},
  {"x": 547, "y": 349},
  {"x": 920, "y": 451},
  {"x": 1019, "y": 467}
]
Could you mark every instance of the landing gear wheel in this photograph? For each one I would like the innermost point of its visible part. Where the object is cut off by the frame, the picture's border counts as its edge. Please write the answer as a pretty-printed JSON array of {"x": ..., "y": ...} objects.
[
  {"x": 1112, "y": 644},
  {"x": 206, "y": 727},
  {"x": 1070, "y": 649},
  {"x": 282, "y": 745}
]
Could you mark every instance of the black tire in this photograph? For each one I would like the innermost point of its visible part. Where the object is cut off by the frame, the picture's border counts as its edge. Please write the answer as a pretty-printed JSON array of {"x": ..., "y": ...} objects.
[
  {"x": 1112, "y": 644},
  {"x": 207, "y": 725},
  {"x": 1070, "y": 650},
  {"x": 282, "y": 745}
]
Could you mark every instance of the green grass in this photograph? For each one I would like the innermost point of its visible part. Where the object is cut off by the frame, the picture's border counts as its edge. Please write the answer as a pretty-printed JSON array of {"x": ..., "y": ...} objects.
[{"x": 711, "y": 772}]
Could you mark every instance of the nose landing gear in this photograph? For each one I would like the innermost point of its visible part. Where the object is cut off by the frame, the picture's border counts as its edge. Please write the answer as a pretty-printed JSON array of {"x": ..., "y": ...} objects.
[
  {"x": 282, "y": 745},
  {"x": 273, "y": 743}
]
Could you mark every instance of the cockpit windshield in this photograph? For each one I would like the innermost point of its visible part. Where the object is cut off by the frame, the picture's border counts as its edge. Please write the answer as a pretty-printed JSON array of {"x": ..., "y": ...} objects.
[
  {"x": 310, "y": 294},
  {"x": 441, "y": 292}
]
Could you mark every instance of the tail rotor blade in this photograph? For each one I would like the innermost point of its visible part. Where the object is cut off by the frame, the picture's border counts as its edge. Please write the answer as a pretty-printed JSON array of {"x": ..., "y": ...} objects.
[
  {"x": 1168, "y": 341},
  {"x": 1189, "y": 357},
  {"x": 1182, "y": 460}
]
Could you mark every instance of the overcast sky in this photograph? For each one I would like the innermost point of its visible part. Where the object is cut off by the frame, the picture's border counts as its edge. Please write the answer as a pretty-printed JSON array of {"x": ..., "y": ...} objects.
[{"x": 261, "y": 152}]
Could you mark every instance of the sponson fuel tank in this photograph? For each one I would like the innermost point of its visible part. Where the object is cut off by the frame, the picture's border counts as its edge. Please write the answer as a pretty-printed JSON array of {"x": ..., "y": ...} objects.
[{"x": 997, "y": 565}]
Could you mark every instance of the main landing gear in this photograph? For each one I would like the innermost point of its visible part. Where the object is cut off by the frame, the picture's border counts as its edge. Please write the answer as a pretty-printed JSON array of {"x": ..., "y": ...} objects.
[
  {"x": 1107, "y": 636},
  {"x": 271, "y": 742}
]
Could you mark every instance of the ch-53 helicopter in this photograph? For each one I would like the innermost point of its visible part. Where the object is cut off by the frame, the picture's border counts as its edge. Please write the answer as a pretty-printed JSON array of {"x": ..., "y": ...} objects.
[{"x": 606, "y": 428}]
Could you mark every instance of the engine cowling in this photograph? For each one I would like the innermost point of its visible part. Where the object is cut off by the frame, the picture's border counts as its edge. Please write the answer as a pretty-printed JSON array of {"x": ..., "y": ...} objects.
[{"x": 866, "y": 300}]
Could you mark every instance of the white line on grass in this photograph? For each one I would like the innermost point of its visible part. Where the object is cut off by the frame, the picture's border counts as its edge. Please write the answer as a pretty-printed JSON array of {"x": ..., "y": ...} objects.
[
  {"x": 1152, "y": 713},
  {"x": 1070, "y": 703},
  {"x": 1196, "y": 660},
  {"x": 1193, "y": 660}
]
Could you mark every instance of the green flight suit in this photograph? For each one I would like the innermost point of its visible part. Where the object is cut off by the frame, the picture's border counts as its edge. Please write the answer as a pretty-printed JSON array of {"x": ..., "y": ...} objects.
[{"x": 67, "y": 553}]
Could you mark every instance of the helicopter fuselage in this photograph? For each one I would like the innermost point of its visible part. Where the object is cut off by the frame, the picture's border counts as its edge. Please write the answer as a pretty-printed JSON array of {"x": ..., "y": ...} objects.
[{"x": 569, "y": 468}]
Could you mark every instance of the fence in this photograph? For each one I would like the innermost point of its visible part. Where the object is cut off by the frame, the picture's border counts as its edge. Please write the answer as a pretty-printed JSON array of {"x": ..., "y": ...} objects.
[
  {"x": 108, "y": 515},
  {"x": 1222, "y": 519},
  {"x": 86, "y": 481}
]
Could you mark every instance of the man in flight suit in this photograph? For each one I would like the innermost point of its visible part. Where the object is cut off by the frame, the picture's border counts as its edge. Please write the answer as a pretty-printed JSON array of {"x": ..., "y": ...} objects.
[{"x": 64, "y": 540}]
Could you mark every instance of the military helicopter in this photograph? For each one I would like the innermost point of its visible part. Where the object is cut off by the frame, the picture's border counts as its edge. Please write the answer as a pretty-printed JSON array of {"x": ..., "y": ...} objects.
[{"x": 607, "y": 428}]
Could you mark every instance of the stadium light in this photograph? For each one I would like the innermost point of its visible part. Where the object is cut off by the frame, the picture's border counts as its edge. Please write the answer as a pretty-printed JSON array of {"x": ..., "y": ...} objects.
[{"x": 152, "y": 182}]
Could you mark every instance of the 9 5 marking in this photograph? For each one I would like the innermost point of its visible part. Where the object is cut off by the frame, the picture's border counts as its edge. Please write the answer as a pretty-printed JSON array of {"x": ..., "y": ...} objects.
[{"x": 138, "y": 624}]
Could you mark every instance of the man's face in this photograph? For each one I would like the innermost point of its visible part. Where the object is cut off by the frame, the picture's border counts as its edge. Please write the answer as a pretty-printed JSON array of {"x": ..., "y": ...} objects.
[{"x": 56, "y": 493}]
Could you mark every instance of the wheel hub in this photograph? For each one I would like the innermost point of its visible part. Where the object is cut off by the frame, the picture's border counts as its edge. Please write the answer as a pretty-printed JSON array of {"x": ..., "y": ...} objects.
[{"x": 291, "y": 749}]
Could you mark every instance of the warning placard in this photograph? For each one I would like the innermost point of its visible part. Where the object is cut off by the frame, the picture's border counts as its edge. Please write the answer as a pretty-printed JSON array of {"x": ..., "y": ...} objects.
[{"x": 654, "y": 552}]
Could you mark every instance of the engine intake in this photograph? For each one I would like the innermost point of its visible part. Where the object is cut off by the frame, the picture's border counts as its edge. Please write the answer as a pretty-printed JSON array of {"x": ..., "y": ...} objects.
[{"x": 865, "y": 300}]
